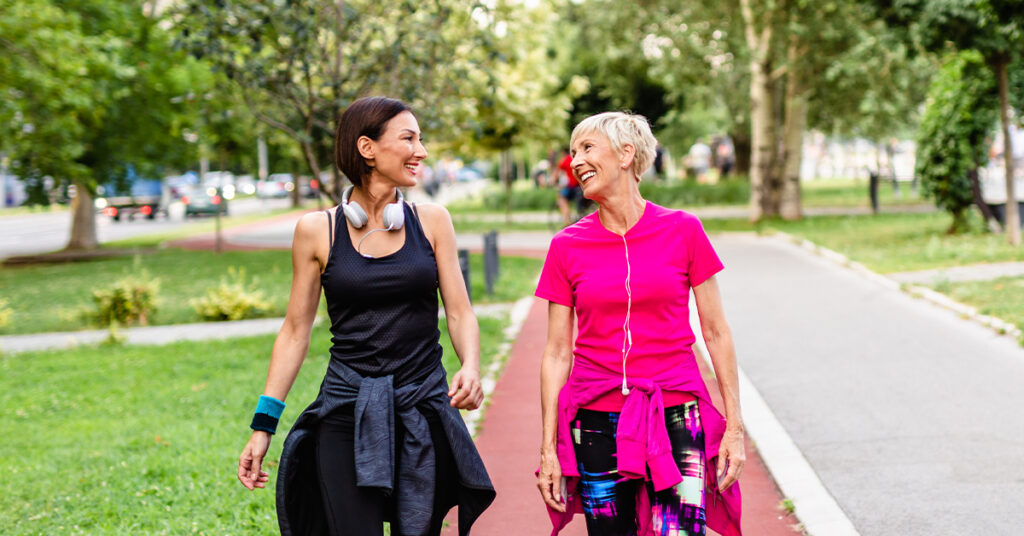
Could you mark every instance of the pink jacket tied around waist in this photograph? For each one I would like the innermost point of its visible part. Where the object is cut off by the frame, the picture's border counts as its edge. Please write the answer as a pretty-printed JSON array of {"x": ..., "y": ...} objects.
[{"x": 642, "y": 441}]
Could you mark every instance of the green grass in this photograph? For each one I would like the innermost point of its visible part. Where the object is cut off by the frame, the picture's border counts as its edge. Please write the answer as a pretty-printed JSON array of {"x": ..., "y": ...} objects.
[
  {"x": 902, "y": 242},
  {"x": 145, "y": 440},
  {"x": 854, "y": 193},
  {"x": 516, "y": 278},
  {"x": 1001, "y": 298},
  {"x": 54, "y": 297}
]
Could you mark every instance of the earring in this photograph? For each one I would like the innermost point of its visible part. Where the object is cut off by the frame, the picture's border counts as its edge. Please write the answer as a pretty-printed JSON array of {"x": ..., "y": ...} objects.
[{"x": 623, "y": 166}]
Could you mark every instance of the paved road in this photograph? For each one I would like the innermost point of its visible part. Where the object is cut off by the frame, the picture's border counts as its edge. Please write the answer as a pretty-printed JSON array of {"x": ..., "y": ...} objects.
[
  {"x": 909, "y": 414},
  {"x": 38, "y": 233}
]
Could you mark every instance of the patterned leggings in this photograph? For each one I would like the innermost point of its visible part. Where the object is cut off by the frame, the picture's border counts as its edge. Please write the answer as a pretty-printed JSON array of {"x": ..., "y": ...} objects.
[{"x": 609, "y": 500}]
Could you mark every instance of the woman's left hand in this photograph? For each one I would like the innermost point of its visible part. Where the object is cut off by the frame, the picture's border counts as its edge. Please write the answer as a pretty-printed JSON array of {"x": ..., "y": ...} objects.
[
  {"x": 731, "y": 458},
  {"x": 465, "y": 391}
]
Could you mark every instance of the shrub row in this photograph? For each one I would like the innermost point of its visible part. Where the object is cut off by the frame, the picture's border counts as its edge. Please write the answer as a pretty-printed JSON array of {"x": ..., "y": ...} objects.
[{"x": 133, "y": 300}]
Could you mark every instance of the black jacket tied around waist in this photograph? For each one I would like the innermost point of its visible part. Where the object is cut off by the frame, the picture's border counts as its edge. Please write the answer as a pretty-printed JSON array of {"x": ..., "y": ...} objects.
[{"x": 377, "y": 403}]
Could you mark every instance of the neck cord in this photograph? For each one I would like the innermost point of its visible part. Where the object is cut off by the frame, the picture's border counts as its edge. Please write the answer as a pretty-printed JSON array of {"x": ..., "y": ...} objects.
[
  {"x": 360, "y": 244},
  {"x": 627, "y": 339}
]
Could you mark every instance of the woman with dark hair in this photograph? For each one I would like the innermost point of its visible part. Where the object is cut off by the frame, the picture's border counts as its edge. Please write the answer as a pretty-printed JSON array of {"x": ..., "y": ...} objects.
[{"x": 384, "y": 440}]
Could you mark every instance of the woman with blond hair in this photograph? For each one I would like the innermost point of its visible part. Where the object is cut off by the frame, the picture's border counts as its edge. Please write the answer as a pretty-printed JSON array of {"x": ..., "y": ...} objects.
[{"x": 630, "y": 437}]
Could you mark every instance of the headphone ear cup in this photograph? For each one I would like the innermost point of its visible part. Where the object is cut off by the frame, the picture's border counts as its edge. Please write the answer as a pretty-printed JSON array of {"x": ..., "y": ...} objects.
[
  {"x": 394, "y": 216},
  {"x": 354, "y": 214}
]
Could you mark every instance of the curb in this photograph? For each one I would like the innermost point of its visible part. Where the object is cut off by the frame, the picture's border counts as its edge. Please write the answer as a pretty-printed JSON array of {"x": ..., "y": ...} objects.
[
  {"x": 813, "y": 505},
  {"x": 968, "y": 312},
  {"x": 489, "y": 379}
]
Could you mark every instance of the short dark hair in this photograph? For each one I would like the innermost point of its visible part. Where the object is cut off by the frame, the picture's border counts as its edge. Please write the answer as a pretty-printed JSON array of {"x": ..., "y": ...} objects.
[{"x": 365, "y": 117}]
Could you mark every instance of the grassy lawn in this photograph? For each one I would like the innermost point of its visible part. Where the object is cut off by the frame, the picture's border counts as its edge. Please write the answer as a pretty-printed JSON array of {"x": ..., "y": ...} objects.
[
  {"x": 901, "y": 242},
  {"x": 854, "y": 193},
  {"x": 1002, "y": 298},
  {"x": 144, "y": 440},
  {"x": 198, "y": 226},
  {"x": 53, "y": 297}
]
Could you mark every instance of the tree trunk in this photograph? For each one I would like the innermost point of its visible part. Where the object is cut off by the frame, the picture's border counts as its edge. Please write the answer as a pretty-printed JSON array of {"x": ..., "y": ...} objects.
[
  {"x": 990, "y": 219},
  {"x": 762, "y": 155},
  {"x": 83, "y": 220},
  {"x": 741, "y": 152},
  {"x": 762, "y": 111},
  {"x": 1012, "y": 214},
  {"x": 795, "y": 123},
  {"x": 505, "y": 174}
]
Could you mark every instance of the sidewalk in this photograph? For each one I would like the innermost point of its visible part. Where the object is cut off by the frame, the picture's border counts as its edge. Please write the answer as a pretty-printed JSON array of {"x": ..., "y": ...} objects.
[{"x": 509, "y": 440}]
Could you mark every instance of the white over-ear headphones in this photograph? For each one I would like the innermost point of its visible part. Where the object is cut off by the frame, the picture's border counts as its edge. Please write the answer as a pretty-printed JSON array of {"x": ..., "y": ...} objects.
[{"x": 393, "y": 216}]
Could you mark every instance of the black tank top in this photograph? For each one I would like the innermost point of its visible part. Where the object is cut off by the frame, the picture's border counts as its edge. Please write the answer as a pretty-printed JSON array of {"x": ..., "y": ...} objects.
[{"x": 384, "y": 310}]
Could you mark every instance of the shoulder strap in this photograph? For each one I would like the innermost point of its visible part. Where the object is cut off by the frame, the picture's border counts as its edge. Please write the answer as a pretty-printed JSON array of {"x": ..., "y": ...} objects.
[
  {"x": 330, "y": 232},
  {"x": 415, "y": 211}
]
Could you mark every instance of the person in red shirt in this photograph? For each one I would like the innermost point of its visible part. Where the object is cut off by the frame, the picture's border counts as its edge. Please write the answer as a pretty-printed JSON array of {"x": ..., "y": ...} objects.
[{"x": 568, "y": 187}]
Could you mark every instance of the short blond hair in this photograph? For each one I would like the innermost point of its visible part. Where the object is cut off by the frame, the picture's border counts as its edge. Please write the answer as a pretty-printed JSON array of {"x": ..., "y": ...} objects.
[{"x": 622, "y": 129}]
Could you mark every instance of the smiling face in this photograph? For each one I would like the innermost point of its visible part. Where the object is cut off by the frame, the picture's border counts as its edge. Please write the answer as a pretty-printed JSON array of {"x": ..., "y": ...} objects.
[
  {"x": 597, "y": 165},
  {"x": 398, "y": 153}
]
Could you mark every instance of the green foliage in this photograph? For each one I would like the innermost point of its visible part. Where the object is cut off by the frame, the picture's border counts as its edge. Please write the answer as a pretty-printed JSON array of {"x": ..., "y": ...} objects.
[
  {"x": 960, "y": 112},
  {"x": 132, "y": 299},
  {"x": 690, "y": 193},
  {"x": 232, "y": 299},
  {"x": 522, "y": 199},
  {"x": 5, "y": 313},
  {"x": 87, "y": 89},
  {"x": 298, "y": 64}
]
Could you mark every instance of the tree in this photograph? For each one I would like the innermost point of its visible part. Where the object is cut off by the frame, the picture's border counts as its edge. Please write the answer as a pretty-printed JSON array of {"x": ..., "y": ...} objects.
[
  {"x": 994, "y": 28},
  {"x": 299, "y": 63},
  {"x": 961, "y": 109},
  {"x": 88, "y": 87}
]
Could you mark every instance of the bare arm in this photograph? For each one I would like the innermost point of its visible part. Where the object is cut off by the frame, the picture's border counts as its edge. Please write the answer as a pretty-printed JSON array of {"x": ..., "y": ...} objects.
[
  {"x": 554, "y": 372},
  {"x": 292, "y": 342},
  {"x": 718, "y": 337},
  {"x": 465, "y": 391}
]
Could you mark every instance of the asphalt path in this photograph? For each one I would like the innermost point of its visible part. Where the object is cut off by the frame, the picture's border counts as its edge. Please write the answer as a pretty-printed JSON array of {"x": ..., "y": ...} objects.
[
  {"x": 27, "y": 234},
  {"x": 909, "y": 414}
]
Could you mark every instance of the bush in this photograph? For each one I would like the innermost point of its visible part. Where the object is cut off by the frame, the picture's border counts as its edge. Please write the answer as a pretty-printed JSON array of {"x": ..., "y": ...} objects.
[
  {"x": 231, "y": 300},
  {"x": 735, "y": 191},
  {"x": 130, "y": 300},
  {"x": 522, "y": 199},
  {"x": 960, "y": 112},
  {"x": 5, "y": 314}
]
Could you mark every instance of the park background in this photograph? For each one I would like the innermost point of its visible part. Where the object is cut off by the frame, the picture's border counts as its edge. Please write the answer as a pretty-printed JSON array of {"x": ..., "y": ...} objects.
[{"x": 871, "y": 132}]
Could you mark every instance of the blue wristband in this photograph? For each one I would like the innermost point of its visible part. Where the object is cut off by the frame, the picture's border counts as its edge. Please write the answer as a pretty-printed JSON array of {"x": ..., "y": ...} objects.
[
  {"x": 270, "y": 406},
  {"x": 268, "y": 411}
]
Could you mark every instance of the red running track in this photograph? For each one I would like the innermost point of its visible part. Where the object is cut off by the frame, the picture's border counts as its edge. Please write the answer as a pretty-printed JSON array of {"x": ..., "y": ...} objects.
[{"x": 509, "y": 441}]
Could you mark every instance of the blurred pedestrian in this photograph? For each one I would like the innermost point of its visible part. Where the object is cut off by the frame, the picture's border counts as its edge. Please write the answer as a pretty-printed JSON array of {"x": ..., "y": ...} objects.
[
  {"x": 700, "y": 160},
  {"x": 568, "y": 187},
  {"x": 627, "y": 419},
  {"x": 384, "y": 440}
]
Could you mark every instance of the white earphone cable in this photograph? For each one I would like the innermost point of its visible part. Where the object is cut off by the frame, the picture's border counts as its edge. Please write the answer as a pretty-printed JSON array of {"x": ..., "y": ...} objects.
[{"x": 627, "y": 340}]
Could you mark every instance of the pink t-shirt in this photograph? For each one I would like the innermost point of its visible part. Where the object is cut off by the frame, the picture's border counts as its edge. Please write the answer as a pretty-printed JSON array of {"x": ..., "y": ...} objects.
[{"x": 586, "y": 266}]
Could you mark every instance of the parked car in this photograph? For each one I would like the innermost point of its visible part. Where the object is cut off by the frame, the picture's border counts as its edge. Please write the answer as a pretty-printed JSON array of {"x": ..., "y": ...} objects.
[
  {"x": 133, "y": 197},
  {"x": 276, "y": 185},
  {"x": 204, "y": 201}
]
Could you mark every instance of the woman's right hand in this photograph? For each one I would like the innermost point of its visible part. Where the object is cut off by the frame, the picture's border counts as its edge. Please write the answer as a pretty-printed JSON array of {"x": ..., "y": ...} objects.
[
  {"x": 549, "y": 480},
  {"x": 251, "y": 461}
]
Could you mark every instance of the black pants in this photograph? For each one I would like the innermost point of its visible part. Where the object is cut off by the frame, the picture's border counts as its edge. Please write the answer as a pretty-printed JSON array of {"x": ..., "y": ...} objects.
[{"x": 355, "y": 511}]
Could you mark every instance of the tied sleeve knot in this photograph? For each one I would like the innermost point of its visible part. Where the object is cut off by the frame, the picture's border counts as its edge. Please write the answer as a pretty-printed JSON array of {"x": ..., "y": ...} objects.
[
  {"x": 642, "y": 439},
  {"x": 377, "y": 405}
]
